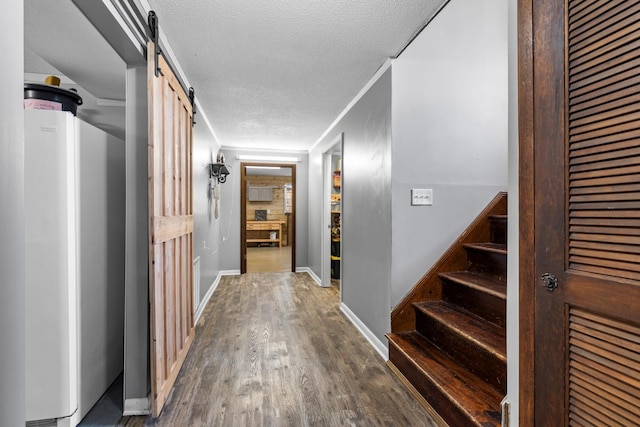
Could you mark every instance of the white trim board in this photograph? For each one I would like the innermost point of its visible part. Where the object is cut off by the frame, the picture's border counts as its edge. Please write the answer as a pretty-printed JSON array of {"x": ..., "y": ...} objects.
[
  {"x": 229, "y": 273},
  {"x": 205, "y": 300},
  {"x": 382, "y": 349},
  {"x": 139, "y": 406}
]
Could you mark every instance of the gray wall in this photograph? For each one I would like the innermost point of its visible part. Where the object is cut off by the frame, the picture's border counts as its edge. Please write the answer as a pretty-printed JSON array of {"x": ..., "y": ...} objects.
[
  {"x": 445, "y": 102},
  {"x": 101, "y": 263},
  {"x": 366, "y": 206},
  {"x": 12, "y": 282},
  {"x": 229, "y": 244},
  {"x": 206, "y": 233},
  {"x": 449, "y": 132},
  {"x": 136, "y": 362}
]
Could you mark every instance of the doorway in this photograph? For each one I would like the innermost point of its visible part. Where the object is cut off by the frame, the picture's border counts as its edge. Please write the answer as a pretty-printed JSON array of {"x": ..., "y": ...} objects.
[
  {"x": 332, "y": 215},
  {"x": 267, "y": 218}
]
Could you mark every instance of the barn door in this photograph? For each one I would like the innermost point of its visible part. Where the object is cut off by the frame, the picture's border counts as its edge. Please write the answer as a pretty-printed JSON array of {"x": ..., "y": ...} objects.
[
  {"x": 170, "y": 229},
  {"x": 586, "y": 144}
]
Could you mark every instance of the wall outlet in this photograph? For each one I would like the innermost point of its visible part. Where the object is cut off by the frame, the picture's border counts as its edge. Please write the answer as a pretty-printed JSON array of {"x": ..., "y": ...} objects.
[{"x": 421, "y": 197}]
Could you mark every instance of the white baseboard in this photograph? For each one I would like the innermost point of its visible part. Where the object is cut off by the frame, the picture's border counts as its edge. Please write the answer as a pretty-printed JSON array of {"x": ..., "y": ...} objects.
[
  {"x": 205, "y": 300},
  {"x": 140, "y": 406},
  {"x": 70, "y": 421},
  {"x": 212, "y": 288},
  {"x": 310, "y": 272},
  {"x": 229, "y": 272},
  {"x": 382, "y": 349}
]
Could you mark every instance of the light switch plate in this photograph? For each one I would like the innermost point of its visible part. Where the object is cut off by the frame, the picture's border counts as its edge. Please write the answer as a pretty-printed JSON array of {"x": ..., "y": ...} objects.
[{"x": 421, "y": 197}]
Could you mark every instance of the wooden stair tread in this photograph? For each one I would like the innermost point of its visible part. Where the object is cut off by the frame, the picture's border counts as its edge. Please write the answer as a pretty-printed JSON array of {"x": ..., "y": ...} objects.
[
  {"x": 481, "y": 332},
  {"x": 477, "y": 281},
  {"x": 466, "y": 391},
  {"x": 488, "y": 247},
  {"x": 454, "y": 354}
]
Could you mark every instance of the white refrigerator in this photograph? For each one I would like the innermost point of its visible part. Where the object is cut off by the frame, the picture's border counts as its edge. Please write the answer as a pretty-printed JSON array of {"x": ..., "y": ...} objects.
[
  {"x": 51, "y": 167},
  {"x": 74, "y": 214}
]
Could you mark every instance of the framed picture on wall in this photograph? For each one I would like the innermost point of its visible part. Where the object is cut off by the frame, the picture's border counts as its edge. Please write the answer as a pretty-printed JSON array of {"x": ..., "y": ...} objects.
[{"x": 260, "y": 214}]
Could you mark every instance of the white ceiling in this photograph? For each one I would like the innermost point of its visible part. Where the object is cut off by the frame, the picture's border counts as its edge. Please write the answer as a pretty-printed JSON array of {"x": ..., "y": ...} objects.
[
  {"x": 275, "y": 74},
  {"x": 268, "y": 74}
]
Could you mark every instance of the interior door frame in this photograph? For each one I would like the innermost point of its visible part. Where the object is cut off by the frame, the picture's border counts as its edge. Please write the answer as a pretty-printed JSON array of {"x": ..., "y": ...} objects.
[
  {"x": 325, "y": 231},
  {"x": 527, "y": 204},
  {"x": 540, "y": 85},
  {"x": 291, "y": 232}
]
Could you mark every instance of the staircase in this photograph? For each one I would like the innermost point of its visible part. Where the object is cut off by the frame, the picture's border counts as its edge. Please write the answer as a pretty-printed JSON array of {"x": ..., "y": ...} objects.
[{"x": 452, "y": 356}]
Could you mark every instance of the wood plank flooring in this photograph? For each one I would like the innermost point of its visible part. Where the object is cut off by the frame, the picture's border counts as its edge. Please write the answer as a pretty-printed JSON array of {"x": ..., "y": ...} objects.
[
  {"x": 269, "y": 259},
  {"x": 274, "y": 349}
]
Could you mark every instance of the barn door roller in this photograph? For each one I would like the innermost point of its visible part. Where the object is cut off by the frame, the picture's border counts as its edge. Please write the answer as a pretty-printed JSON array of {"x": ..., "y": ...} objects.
[
  {"x": 192, "y": 99},
  {"x": 154, "y": 33},
  {"x": 152, "y": 21}
]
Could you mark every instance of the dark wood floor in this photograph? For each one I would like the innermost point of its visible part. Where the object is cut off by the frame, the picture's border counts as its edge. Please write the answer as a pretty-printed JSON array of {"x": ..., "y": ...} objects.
[{"x": 274, "y": 349}]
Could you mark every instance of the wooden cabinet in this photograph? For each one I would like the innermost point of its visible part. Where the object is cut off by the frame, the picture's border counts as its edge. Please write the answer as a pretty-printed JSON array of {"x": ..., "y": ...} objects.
[
  {"x": 260, "y": 232},
  {"x": 260, "y": 194}
]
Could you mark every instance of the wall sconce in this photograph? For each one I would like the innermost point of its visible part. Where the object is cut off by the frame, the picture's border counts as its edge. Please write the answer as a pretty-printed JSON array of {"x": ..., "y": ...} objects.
[{"x": 218, "y": 170}]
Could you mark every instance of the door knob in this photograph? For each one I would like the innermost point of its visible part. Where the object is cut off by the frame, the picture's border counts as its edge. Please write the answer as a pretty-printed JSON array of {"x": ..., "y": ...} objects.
[{"x": 549, "y": 281}]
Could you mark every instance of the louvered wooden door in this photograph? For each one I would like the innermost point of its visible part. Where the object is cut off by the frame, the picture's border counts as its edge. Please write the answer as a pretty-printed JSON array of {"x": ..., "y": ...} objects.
[
  {"x": 587, "y": 214},
  {"x": 170, "y": 229}
]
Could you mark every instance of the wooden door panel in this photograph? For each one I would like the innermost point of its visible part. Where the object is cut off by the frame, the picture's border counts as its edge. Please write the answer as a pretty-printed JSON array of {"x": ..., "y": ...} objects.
[
  {"x": 603, "y": 371},
  {"x": 170, "y": 230},
  {"x": 586, "y": 174}
]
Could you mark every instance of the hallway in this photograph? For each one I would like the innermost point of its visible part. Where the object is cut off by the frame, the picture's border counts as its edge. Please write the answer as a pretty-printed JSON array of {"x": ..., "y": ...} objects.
[{"x": 274, "y": 349}]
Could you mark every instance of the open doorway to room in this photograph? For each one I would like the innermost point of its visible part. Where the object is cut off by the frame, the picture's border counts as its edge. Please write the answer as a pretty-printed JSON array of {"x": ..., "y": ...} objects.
[
  {"x": 267, "y": 217},
  {"x": 332, "y": 215}
]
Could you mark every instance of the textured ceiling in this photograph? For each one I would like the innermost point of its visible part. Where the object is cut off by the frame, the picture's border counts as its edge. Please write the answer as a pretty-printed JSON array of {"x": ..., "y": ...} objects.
[
  {"x": 270, "y": 74},
  {"x": 275, "y": 74}
]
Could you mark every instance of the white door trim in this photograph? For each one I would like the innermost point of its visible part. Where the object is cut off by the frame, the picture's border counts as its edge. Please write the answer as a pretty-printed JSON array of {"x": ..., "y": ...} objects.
[{"x": 325, "y": 232}]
